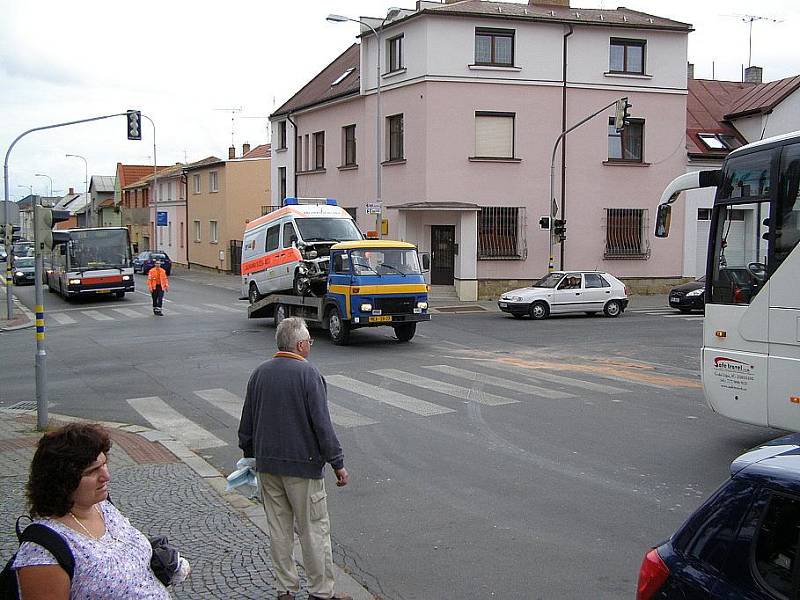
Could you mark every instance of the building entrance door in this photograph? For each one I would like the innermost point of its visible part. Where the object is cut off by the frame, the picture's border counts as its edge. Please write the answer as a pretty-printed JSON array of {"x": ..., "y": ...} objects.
[{"x": 443, "y": 255}]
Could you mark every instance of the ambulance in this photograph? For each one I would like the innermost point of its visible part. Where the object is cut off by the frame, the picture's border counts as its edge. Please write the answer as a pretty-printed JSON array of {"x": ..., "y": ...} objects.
[{"x": 288, "y": 249}]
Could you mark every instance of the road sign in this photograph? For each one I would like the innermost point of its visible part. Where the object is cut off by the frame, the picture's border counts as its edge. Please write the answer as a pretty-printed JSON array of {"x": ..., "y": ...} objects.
[
  {"x": 13, "y": 212},
  {"x": 162, "y": 218},
  {"x": 373, "y": 208}
]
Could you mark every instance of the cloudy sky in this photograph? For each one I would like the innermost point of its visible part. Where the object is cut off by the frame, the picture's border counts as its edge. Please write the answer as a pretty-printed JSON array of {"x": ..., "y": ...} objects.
[{"x": 186, "y": 63}]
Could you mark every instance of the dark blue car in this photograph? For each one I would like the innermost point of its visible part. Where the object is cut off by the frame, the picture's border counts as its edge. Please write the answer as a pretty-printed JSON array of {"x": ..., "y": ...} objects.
[
  {"x": 743, "y": 541},
  {"x": 146, "y": 260}
]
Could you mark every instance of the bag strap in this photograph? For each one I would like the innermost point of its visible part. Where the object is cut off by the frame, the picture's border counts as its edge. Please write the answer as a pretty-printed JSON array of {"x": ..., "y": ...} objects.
[{"x": 52, "y": 542}]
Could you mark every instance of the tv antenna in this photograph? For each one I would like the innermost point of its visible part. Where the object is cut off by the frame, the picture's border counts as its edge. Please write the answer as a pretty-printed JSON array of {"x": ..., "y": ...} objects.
[
  {"x": 750, "y": 19},
  {"x": 233, "y": 112}
]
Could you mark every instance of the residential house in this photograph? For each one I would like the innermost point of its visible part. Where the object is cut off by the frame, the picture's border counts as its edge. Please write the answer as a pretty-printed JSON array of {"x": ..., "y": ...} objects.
[
  {"x": 223, "y": 195},
  {"x": 26, "y": 213},
  {"x": 474, "y": 96},
  {"x": 76, "y": 205},
  {"x": 721, "y": 116},
  {"x": 104, "y": 211},
  {"x": 134, "y": 202}
]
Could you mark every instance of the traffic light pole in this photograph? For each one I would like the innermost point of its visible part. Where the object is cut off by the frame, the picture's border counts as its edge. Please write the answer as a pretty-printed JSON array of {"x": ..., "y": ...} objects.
[
  {"x": 7, "y": 214},
  {"x": 553, "y": 205},
  {"x": 41, "y": 352}
]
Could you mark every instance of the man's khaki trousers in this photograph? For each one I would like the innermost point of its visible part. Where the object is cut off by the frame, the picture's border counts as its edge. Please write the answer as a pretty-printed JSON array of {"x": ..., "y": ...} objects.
[{"x": 289, "y": 500}]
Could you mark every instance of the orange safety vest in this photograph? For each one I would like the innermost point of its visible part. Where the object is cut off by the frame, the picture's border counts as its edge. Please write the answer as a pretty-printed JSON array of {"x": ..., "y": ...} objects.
[{"x": 157, "y": 276}]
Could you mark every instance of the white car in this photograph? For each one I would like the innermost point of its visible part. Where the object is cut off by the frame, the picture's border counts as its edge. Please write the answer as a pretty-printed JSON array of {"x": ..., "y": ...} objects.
[{"x": 567, "y": 291}]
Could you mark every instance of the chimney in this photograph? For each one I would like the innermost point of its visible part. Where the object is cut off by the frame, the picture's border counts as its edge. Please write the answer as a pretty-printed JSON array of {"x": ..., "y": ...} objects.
[
  {"x": 245, "y": 148},
  {"x": 231, "y": 153},
  {"x": 71, "y": 191},
  {"x": 753, "y": 74},
  {"x": 564, "y": 3},
  {"x": 689, "y": 70}
]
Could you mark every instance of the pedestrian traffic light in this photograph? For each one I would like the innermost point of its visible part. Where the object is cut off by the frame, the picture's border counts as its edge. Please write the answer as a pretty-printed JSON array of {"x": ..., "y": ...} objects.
[
  {"x": 560, "y": 229},
  {"x": 134, "y": 125},
  {"x": 621, "y": 116},
  {"x": 44, "y": 220},
  {"x": 544, "y": 223}
]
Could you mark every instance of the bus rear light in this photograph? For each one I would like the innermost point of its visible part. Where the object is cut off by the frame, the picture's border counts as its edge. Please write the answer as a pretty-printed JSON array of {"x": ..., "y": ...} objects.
[
  {"x": 720, "y": 333},
  {"x": 738, "y": 296},
  {"x": 652, "y": 575}
]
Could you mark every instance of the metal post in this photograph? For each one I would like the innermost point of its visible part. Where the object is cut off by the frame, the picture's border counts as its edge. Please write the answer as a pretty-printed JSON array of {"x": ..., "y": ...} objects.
[
  {"x": 41, "y": 353},
  {"x": 378, "y": 137},
  {"x": 7, "y": 221},
  {"x": 49, "y": 179},
  {"x": 155, "y": 189},
  {"x": 89, "y": 206}
]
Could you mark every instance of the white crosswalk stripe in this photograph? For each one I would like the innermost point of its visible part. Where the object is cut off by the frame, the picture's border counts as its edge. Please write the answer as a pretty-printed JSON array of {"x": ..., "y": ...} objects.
[
  {"x": 385, "y": 396},
  {"x": 500, "y": 382},
  {"x": 560, "y": 379},
  {"x": 442, "y": 387},
  {"x": 194, "y": 309},
  {"x": 128, "y": 312},
  {"x": 97, "y": 315},
  {"x": 225, "y": 308},
  {"x": 165, "y": 418},
  {"x": 61, "y": 318},
  {"x": 223, "y": 400}
]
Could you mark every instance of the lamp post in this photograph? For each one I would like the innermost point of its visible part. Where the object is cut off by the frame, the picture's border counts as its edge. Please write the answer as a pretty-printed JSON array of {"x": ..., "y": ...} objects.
[
  {"x": 393, "y": 12},
  {"x": 89, "y": 204},
  {"x": 49, "y": 178}
]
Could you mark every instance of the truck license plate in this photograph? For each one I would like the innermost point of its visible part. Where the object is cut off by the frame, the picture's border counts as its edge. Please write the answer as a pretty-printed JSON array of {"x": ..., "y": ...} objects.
[{"x": 382, "y": 319}]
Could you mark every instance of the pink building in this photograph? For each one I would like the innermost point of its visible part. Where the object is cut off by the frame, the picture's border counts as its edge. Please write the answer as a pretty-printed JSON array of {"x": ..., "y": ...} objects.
[{"x": 473, "y": 98}]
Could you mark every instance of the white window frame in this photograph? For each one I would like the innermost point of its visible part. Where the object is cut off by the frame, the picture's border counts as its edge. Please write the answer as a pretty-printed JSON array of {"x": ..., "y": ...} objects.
[
  {"x": 196, "y": 183},
  {"x": 197, "y": 230},
  {"x": 213, "y": 181},
  {"x": 213, "y": 232},
  {"x": 494, "y": 134}
]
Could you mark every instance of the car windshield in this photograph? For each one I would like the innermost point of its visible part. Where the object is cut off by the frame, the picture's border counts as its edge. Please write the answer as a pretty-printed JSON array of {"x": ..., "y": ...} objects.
[
  {"x": 385, "y": 261},
  {"x": 549, "y": 281},
  {"x": 99, "y": 249},
  {"x": 159, "y": 257},
  {"x": 327, "y": 229},
  {"x": 21, "y": 249},
  {"x": 26, "y": 261}
]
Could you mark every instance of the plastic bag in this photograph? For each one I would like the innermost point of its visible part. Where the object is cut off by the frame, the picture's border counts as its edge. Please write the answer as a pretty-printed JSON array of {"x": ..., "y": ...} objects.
[{"x": 245, "y": 474}]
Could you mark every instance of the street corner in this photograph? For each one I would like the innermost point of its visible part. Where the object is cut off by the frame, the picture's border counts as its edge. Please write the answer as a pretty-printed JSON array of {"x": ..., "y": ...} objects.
[{"x": 21, "y": 316}]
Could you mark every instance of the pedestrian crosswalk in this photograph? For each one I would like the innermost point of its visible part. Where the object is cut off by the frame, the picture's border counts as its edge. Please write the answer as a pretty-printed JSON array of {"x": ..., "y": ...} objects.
[
  {"x": 105, "y": 313},
  {"x": 370, "y": 397},
  {"x": 667, "y": 313}
]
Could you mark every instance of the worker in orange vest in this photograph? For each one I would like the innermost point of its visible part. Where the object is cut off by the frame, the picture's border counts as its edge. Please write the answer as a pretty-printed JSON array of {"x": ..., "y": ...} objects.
[{"x": 157, "y": 283}]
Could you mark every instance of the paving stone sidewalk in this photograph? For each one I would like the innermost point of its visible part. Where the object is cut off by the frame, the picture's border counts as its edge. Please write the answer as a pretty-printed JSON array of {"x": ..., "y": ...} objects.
[{"x": 164, "y": 491}]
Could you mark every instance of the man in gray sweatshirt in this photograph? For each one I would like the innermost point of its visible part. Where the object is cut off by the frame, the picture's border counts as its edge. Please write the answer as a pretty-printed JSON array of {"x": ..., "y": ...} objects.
[{"x": 286, "y": 426}]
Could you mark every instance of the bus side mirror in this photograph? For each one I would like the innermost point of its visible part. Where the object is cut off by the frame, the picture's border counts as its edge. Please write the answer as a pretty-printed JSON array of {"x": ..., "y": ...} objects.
[
  {"x": 426, "y": 262},
  {"x": 663, "y": 219}
]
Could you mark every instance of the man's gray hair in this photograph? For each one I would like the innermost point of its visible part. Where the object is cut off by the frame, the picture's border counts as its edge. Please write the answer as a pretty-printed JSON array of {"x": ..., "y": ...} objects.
[{"x": 290, "y": 331}]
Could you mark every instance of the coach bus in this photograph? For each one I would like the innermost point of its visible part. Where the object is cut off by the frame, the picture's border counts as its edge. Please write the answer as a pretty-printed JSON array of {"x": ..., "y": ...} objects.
[
  {"x": 93, "y": 261},
  {"x": 751, "y": 332}
]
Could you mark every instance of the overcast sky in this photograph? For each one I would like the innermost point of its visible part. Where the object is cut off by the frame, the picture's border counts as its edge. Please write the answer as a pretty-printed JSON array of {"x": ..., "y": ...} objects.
[{"x": 181, "y": 61}]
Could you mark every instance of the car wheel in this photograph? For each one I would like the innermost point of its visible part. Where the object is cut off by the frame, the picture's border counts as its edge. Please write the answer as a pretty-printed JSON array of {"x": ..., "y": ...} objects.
[
  {"x": 612, "y": 308},
  {"x": 539, "y": 310},
  {"x": 338, "y": 328},
  {"x": 405, "y": 331},
  {"x": 281, "y": 312},
  {"x": 252, "y": 294}
]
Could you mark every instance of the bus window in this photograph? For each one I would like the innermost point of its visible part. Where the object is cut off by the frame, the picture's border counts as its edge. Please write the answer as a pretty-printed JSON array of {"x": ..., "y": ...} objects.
[
  {"x": 787, "y": 226},
  {"x": 746, "y": 177}
]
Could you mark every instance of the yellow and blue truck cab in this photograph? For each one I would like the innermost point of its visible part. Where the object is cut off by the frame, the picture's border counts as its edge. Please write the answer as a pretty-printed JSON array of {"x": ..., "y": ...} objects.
[{"x": 370, "y": 283}]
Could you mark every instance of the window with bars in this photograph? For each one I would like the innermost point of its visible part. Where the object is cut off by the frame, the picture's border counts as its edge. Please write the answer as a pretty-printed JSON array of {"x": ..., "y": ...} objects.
[
  {"x": 627, "y": 233},
  {"x": 501, "y": 233}
]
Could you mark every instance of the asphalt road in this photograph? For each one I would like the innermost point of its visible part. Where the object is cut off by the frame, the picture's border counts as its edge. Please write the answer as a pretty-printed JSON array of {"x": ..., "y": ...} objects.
[{"x": 489, "y": 458}]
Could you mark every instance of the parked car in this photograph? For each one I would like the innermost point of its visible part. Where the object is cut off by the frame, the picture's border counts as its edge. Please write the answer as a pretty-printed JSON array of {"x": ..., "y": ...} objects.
[
  {"x": 689, "y": 296},
  {"x": 146, "y": 260},
  {"x": 567, "y": 291},
  {"x": 742, "y": 542},
  {"x": 23, "y": 271}
]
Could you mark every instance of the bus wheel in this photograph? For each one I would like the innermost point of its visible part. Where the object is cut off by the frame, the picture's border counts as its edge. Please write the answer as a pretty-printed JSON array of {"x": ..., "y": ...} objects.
[
  {"x": 405, "y": 331},
  {"x": 252, "y": 294},
  {"x": 120, "y": 294},
  {"x": 612, "y": 308},
  {"x": 280, "y": 314},
  {"x": 338, "y": 328}
]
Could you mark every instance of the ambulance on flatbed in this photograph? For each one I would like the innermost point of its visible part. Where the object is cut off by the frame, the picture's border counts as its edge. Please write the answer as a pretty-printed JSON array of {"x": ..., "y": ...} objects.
[{"x": 338, "y": 285}]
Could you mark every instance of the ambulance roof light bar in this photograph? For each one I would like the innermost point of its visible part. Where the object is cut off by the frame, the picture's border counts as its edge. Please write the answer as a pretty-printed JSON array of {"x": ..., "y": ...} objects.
[{"x": 296, "y": 201}]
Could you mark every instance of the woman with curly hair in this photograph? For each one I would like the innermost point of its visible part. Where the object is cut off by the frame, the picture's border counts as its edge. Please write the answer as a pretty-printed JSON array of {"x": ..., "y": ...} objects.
[{"x": 68, "y": 492}]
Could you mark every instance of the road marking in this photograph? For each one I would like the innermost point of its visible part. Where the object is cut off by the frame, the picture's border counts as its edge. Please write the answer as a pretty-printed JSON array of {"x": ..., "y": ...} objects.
[
  {"x": 346, "y": 418},
  {"x": 149, "y": 295},
  {"x": 195, "y": 309},
  {"x": 457, "y": 391},
  {"x": 128, "y": 312},
  {"x": 61, "y": 319},
  {"x": 396, "y": 399},
  {"x": 96, "y": 315},
  {"x": 680, "y": 316},
  {"x": 500, "y": 382},
  {"x": 225, "y": 308},
  {"x": 223, "y": 400},
  {"x": 569, "y": 381},
  {"x": 164, "y": 418},
  {"x": 693, "y": 318}
]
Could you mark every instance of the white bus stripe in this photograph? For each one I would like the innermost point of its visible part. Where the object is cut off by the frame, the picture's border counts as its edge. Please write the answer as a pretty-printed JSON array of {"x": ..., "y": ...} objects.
[
  {"x": 500, "y": 382},
  {"x": 225, "y": 308},
  {"x": 164, "y": 418},
  {"x": 449, "y": 389},
  {"x": 569, "y": 381},
  {"x": 61, "y": 318},
  {"x": 128, "y": 312},
  {"x": 373, "y": 392},
  {"x": 96, "y": 315}
]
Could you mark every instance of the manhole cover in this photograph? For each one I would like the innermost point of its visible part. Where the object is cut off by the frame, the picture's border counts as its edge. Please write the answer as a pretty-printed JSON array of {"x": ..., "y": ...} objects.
[
  {"x": 24, "y": 405},
  {"x": 459, "y": 309}
]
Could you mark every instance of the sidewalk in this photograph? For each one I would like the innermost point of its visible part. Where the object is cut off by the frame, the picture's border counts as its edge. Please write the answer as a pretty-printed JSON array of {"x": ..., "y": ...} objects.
[
  {"x": 164, "y": 488},
  {"x": 22, "y": 316}
]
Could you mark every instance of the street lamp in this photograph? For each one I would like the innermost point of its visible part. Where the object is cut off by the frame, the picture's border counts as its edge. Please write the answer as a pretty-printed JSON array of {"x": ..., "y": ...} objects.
[
  {"x": 89, "y": 205},
  {"x": 48, "y": 177},
  {"x": 393, "y": 12}
]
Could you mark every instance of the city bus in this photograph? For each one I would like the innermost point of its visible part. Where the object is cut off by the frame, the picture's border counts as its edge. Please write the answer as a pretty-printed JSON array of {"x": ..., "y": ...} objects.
[
  {"x": 751, "y": 333},
  {"x": 94, "y": 261}
]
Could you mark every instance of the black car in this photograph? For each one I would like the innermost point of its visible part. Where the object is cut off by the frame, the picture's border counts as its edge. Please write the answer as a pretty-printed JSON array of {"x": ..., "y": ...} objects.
[
  {"x": 146, "y": 260},
  {"x": 742, "y": 543},
  {"x": 689, "y": 296},
  {"x": 23, "y": 271}
]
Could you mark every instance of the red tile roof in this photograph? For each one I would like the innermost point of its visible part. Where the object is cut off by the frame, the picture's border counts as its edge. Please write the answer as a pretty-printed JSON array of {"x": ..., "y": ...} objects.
[
  {"x": 262, "y": 151},
  {"x": 129, "y": 174},
  {"x": 706, "y": 105},
  {"x": 763, "y": 98}
]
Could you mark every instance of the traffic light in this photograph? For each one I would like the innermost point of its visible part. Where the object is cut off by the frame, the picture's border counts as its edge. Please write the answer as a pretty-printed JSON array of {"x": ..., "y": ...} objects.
[
  {"x": 544, "y": 223},
  {"x": 44, "y": 220},
  {"x": 134, "y": 125},
  {"x": 560, "y": 229},
  {"x": 621, "y": 115},
  {"x": 11, "y": 232}
]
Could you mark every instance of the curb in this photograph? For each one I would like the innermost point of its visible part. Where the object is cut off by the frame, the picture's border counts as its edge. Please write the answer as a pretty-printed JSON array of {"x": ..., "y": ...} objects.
[
  {"x": 249, "y": 509},
  {"x": 6, "y": 325}
]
